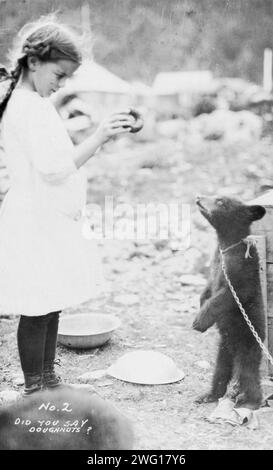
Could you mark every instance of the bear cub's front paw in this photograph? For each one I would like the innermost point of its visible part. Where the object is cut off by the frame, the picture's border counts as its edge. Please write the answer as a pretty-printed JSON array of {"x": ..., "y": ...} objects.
[{"x": 198, "y": 325}]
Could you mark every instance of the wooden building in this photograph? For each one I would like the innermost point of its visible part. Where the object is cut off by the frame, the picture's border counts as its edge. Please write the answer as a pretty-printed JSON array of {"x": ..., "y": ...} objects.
[{"x": 263, "y": 229}]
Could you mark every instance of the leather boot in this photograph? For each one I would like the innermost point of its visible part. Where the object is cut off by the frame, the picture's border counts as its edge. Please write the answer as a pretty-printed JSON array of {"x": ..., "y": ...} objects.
[
  {"x": 50, "y": 378},
  {"x": 33, "y": 383}
]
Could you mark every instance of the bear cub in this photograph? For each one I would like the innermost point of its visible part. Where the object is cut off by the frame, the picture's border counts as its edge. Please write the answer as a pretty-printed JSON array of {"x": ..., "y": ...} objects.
[{"x": 237, "y": 372}]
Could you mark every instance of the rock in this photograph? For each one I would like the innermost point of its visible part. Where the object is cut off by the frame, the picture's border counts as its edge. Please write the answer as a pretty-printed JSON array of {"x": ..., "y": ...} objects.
[
  {"x": 91, "y": 375},
  {"x": 205, "y": 365},
  {"x": 119, "y": 267},
  {"x": 112, "y": 249},
  {"x": 87, "y": 387},
  {"x": 110, "y": 429},
  {"x": 136, "y": 395},
  {"x": 126, "y": 299},
  {"x": 229, "y": 125},
  {"x": 8, "y": 396},
  {"x": 175, "y": 296},
  {"x": 183, "y": 263},
  {"x": 148, "y": 251},
  {"x": 174, "y": 265},
  {"x": 105, "y": 383},
  {"x": 265, "y": 416},
  {"x": 142, "y": 242},
  {"x": 192, "y": 280},
  {"x": 18, "y": 380},
  {"x": 171, "y": 128},
  {"x": 87, "y": 356},
  {"x": 267, "y": 382},
  {"x": 161, "y": 244},
  {"x": 146, "y": 173},
  {"x": 3, "y": 173},
  {"x": 4, "y": 185},
  {"x": 159, "y": 297}
]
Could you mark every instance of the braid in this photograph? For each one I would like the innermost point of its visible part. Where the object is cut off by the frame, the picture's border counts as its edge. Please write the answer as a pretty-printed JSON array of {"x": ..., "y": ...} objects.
[
  {"x": 48, "y": 41},
  {"x": 13, "y": 77},
  {"x": 16, "y": 72},
  {"x": 38, "y": 48}
]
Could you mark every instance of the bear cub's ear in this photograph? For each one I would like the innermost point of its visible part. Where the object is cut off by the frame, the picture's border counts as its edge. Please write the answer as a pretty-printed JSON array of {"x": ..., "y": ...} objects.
[{"x": 256, "y": 212}]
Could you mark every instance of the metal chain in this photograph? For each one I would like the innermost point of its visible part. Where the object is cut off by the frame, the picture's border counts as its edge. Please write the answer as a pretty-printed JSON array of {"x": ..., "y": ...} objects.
[{"x": 252, "y": 329}]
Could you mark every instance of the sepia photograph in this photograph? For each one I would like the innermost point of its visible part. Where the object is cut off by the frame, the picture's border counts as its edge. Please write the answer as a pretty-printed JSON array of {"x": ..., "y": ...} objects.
[{"x": 136, "y": 228}]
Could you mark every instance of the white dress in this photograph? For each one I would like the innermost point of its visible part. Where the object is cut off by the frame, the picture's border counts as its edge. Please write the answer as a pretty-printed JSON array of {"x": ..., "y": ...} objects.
[{"x": 46, "y": 263}]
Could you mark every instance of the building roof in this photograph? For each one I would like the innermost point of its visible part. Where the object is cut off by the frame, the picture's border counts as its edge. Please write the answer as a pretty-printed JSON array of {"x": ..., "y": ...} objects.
[
  {"x": 140, "y": 88},
  {"x": 169, "y": 83},
  {"x": 91, "y": 76}
]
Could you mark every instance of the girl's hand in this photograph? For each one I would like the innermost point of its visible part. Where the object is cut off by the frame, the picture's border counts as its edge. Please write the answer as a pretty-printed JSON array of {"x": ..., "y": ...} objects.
[{"x": 117, "y": 123}]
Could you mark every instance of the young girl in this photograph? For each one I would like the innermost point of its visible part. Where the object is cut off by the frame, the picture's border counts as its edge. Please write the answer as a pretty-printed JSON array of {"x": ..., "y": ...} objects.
[{"x": 46, "y": 264}]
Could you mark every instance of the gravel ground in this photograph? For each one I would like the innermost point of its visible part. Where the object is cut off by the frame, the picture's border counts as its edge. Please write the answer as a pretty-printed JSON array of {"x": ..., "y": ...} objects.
[{"x": 157, "y": 306}]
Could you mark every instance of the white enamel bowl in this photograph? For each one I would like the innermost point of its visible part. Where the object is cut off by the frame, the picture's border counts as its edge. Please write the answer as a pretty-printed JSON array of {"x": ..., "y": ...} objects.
[{"x": 86, "y": 330}]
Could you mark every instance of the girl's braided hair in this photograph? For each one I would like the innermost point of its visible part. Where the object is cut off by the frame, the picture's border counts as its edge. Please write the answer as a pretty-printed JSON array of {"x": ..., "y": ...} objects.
[{"x": 46, "y": 39}]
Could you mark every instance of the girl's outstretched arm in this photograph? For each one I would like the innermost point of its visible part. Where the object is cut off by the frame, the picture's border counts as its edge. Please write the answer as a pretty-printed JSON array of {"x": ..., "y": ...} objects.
[{"x": 116, "y": 123}]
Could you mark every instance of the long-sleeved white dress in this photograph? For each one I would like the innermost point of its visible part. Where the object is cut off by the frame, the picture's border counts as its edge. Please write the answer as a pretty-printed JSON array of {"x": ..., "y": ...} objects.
[{"x": 46, "y": 263}]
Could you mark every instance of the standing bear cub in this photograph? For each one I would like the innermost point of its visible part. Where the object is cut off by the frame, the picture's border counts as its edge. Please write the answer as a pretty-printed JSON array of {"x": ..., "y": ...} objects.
[{"x": 237, "y": 374}]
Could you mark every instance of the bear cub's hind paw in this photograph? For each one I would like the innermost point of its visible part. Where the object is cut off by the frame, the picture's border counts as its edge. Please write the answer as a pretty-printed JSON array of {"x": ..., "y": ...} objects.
[{"x": 245, "y": 401}]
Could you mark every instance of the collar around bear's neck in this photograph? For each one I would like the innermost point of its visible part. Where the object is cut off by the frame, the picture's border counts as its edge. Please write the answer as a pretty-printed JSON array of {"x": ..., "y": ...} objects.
[{"x": 248, "y": 241}]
